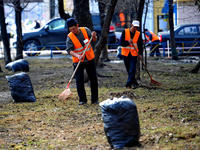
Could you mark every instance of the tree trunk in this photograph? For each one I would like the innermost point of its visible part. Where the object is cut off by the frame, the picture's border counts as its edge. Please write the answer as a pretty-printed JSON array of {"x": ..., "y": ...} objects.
[
  {"x": 197, "y": 2},
  {"x": 145, "y": 51},
  {"x": 139, "y": 18},
  {"x": 18, "y": 11},
  {"x": 52, "y": 8},
  {"x": 62, "y": 11},
  {"x": 5, "y": 38},
  {"x": 82, "y": 13},
  {"x": 104, "y": 33},
  {"x": 102, "y": 8},
  {"x": 171, "y": 26},
  {"x": 196, "y": 68}
]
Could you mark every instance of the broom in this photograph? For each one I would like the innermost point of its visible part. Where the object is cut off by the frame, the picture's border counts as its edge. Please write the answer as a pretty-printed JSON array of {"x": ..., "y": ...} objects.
[{"x": 66, "y": 93}]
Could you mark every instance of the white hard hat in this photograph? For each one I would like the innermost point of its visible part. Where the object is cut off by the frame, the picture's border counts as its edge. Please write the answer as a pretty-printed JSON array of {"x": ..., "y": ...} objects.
[{"x": 135, "y": 23}]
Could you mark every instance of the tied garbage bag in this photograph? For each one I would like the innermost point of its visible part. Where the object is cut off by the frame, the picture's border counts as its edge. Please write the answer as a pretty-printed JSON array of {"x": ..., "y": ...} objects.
[
  {"x": 18, "y": 65},
  {"x": 121, "y": 122},
  {"x": 21, "y": 88}
]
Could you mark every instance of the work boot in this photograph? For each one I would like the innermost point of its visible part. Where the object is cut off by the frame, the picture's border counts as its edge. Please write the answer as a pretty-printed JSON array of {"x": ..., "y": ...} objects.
[
  {"x": 128, "y": 86},
  {"x": 135, "y": 86},
  {"x": 95, "y": 103},
  {"x": 82, "y": 103}
]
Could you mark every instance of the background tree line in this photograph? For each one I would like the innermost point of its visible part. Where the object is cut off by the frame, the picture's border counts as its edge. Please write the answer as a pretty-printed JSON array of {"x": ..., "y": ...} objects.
[{"x": 82, "y": 14}]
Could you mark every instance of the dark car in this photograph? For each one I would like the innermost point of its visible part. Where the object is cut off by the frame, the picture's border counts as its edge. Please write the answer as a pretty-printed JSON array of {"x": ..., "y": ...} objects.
[
  {"x": 187, "y": 38},
  {"x": 53, "y": 35}
]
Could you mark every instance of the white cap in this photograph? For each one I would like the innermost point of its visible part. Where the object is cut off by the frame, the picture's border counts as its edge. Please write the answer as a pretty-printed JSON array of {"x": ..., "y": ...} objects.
[{"x": 135, "y": 23}]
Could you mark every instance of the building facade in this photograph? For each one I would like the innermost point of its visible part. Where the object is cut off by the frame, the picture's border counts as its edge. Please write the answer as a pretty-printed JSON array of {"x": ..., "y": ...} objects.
[{"x": 185, "y": 11}]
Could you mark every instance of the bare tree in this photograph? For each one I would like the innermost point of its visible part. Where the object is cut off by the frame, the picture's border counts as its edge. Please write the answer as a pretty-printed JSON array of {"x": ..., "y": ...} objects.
[
  {"x": 197, "y": 2},
  {"x": 5, "y": 38},
  {"x": 82, "y": 13},
  {"x": 18, "y": 17},
  {"x": 62, "y": 11},
  {"x": 129, "y": 8},
  {"x": 144, "y": 23},
  {"x": 16, "y": 4},
  {"x": 102, "y": 9},
  {"x": 52, "y": 8},
  {"x": 197, "y": 67},
  {"x": 139, "y": 18},
  {"x": 171, "y": 26},
  {"x": 104, "y": 33}
]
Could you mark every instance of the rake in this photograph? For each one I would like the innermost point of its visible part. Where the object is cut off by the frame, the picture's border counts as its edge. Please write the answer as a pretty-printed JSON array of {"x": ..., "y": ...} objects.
[
  {"x": 66, "y": 93},
  {"x": 152, "y": 80}
]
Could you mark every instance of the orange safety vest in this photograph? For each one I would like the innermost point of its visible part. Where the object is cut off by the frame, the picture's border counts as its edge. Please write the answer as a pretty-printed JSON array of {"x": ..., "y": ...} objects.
[
  {"x": 79, "y": 49},
  {"x": 130, "y": 48},
  {"x": 122, "y": 19},
  {"x": 154, "y": 37}
]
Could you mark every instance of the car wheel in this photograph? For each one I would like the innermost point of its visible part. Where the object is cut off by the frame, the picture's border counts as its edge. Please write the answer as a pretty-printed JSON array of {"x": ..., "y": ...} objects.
[{"x": 31, "y": 46}]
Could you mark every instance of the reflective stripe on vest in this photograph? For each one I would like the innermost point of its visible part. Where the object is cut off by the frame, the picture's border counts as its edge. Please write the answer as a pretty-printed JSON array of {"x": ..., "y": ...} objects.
[
  {"x": 154, "y": 36},
  {"x": 79, "y": 49},
  {"x": 130, "y": 48}
]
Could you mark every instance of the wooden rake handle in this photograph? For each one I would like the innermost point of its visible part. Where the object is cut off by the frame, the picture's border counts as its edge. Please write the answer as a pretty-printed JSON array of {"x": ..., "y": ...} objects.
[{"x": 78, "y": 64}]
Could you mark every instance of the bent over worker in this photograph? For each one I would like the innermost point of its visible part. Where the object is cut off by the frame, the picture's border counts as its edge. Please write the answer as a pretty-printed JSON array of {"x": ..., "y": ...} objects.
[
  {"x": 154, "y": 39},
  {"x": 77, "y": 41},
  {"x": 131, "y": 42}
]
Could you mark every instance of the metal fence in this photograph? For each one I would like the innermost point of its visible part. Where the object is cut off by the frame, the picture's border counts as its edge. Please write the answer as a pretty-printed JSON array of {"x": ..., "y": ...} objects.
[{"x": 51, "y": 51}]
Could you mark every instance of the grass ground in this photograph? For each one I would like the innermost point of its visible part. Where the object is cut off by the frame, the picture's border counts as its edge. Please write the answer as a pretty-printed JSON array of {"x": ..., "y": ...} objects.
[{"x": 169, "y": 114}]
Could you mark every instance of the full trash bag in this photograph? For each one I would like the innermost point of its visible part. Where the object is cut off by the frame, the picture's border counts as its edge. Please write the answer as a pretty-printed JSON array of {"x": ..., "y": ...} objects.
[
  {"x": 18, "y": 65},
  {"x": 121, "y": 122},
  {"x": 21, "y": 87}
]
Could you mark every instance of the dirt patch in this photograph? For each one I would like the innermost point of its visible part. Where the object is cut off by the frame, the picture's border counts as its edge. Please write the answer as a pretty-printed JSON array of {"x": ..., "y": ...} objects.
[
  {"x": 5, "y": 97},
  {"x": 169, "y": 114}
]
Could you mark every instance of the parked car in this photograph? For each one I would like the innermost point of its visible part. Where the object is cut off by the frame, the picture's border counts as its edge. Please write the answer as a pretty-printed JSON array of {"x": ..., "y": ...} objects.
[
  {"x": 53, "y": 35},
  {"x": 187, "y": 38}
]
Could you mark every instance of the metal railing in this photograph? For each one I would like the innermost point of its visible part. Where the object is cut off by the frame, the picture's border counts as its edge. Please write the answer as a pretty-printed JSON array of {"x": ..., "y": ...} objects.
[
  {"x": 194, "y": 49},
  {"x": 164, "y": 48}
]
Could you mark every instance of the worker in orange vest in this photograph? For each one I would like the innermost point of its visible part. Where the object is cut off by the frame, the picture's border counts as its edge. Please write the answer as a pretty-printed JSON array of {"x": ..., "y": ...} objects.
[
  {"x": 122, "y": 19},
  {"x": 131, "y": 43},
  {"x": 76, "y": 43},
  {"x": 154, "y": 41}
]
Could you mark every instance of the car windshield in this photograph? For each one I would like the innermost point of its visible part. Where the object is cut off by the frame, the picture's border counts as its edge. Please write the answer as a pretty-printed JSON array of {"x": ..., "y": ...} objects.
[
  {"x": 188, "y": 30},
  {"x": 57, "y": 24}
]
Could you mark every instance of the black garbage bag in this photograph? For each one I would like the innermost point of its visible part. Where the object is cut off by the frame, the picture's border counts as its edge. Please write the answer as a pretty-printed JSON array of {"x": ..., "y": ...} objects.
[
  {"x": 121, "y": 122},
  {"x": 18, "y": 65},
  {"x": 21, "y": 87}
]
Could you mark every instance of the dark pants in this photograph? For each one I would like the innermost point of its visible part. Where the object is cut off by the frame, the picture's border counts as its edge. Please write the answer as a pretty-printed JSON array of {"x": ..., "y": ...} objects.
[
  {"x": 130, "y": 64},
  {"x": 79, "y": 75},
  {"x": 155, "y": 48}
]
